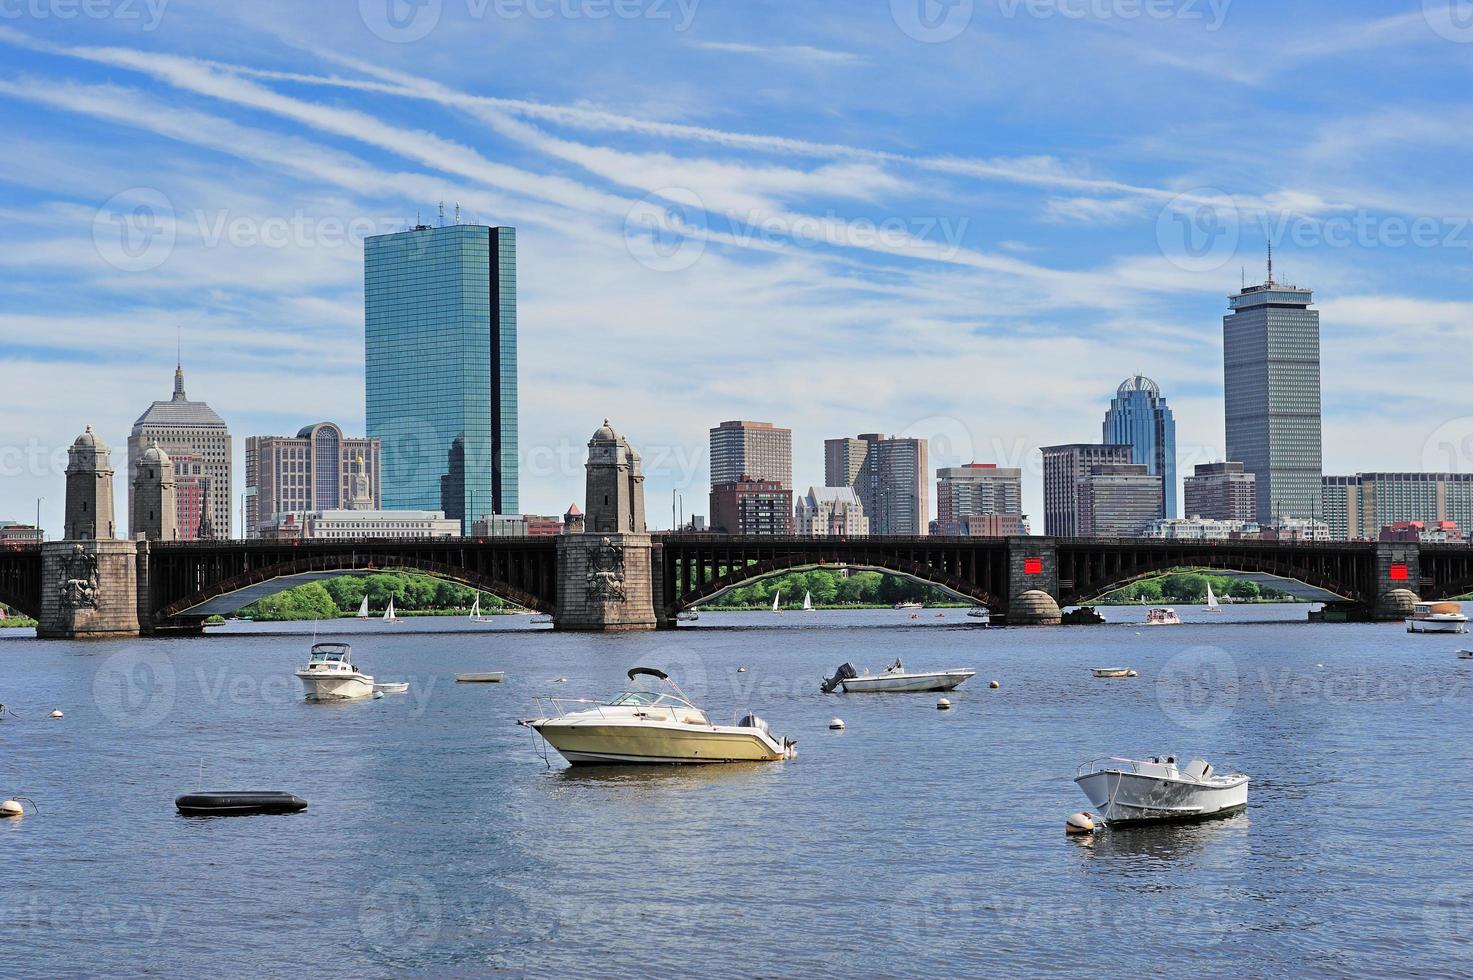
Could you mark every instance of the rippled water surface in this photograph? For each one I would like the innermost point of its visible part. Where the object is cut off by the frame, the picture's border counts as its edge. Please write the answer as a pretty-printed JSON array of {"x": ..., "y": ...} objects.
[{"x": 438, "y": 841}]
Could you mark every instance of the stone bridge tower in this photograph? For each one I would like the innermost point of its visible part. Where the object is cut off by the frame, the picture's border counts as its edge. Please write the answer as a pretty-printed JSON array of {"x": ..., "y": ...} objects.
[
  {"x": 154, "y": 516},
  {"x": 605, "y": 574}
]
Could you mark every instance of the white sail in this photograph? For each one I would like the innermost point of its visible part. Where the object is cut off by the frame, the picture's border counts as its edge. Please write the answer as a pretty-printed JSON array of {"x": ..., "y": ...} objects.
[
  {"x": 1211, "y": 598},
  {"x": 808, "y": 602},
  {"x": 363, "y": 608},
  {"x": 776, "y": 596},
  {"x": 476, "y": 609},
  {"x": 389, "y": 612}
]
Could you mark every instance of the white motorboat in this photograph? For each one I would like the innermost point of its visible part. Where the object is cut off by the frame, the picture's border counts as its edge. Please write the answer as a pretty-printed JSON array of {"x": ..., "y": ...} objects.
[
  {"x": 389, "y": 615},
  {"x": 909, "y": 605},
  {"x": 362, "y": 609},
  {"x": 653, "y": 722},
  {"x": 392, "y": 687},
  {"x": 687, "y": 616},
  {"x": 1437, "y": 617},
  {"x": 331, "y": 676},
  {"x": 1465, "y": 654},
  {"x": 1162, "y": 616},
  {"x": 982, "y": 613},
  {"x": 1212, "y": 604},
  {"x": 1156, "y": 790},
  {"x": 894, "y": 679},
  {"x": 542, "y": 620},
  {"x": 1113, "y": 672},
  {"x": 489, "y": 677}
]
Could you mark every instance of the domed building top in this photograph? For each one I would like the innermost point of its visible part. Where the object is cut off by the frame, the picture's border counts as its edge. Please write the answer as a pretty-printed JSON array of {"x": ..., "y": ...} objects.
[
  {"x": 154, "y": 454},
  {"x": 1139, "y": 382},
  {"x": 606, "y": 433},
  {"x": 89, "y": 440}
]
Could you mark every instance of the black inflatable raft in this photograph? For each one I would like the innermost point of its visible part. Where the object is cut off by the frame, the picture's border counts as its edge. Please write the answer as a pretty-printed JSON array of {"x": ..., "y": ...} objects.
[{"x": 238, "y": 804}]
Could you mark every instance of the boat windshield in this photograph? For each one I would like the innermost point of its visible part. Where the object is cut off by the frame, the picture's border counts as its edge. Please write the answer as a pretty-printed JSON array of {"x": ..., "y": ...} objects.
[
  {"x": 331, "y": 652},
  {"x": 648, "y": 699}
]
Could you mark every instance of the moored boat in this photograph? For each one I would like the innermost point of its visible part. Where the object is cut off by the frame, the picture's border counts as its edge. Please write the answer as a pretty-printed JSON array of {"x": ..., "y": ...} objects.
[
  {"x": 895, "y": 679},
  {"x": 489, "y": 677},
  {"x": 1113, "y": 672},
  {"x": 909, "y": 605},
  {"x": 330, "y": 675},
  {"x": 1157, "y": 790},
  {"x": 1162, "y": 616},
  {"x": 653, "y": 722},
  {"x": 238, "y": 804},
  {"x": 1437, "y": 617}
]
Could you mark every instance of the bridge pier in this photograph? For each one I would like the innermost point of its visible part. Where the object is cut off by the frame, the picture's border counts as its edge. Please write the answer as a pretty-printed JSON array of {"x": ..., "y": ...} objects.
[
  {"x": 1033, "y": 582},
  {"x": 89, "y": 590},
  {"x": 1398, "y": 577},
  {"x": 605, "y": 583}
]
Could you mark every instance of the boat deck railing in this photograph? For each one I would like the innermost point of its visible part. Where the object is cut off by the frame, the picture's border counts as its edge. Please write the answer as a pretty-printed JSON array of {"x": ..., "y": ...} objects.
[
  {"x": 656, "y": 712},
  {"x": 1137, "y": 767}
]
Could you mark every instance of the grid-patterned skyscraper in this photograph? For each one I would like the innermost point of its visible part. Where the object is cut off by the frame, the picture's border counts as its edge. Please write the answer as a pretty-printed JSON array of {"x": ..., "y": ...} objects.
[
  {"x": 1139, "y": 417},
  {"x": 1271, "y": 375},
  {"x": 199, "y": 445},
  {"x": 440, "y": 332},
  {"x": 759, "y": 450}
]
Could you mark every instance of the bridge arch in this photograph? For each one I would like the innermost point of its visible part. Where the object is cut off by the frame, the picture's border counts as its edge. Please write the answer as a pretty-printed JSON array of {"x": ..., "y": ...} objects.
[
  {"x": 21, "y": 604},
  {"x": 231, "y": 593},
  {"x": 1317, "y": 585},
  {"x": 770, "y": 567}
]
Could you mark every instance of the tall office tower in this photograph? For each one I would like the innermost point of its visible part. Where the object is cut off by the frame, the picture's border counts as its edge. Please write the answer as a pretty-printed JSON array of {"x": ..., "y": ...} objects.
[
  {"x": 1271, "y": 386},
  {"x": 1221, "y": 491},
  {"x": 312, "y": 471},
  {"x": 1139, "y": 417},
  {"x": 1063, "y": 467},
  {"x": 889, "y": 476},
  {"x": 979, "y": 500},
  {"x": 199, "y": 444},
  {"x": 755, "y": 450},
  {"x": 440, "y": 337},
  {"x": 1118, "y": 500}
]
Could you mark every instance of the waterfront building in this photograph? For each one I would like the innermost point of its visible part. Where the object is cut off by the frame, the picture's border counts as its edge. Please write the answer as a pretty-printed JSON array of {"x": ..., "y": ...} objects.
[
  {"x": 329, "y": 525},
  {"x": 318, "y": 469},
  {"x": 440, "y": 337},
  {"x": 1358, "y": 507},
  {"x": 151, "y": 496},
  {"x": 1063, "y": 467},
  {"x": 197, "y": 441},
  {"x": 965, "y": 495},
  {"x": 889, "y": 476},
  {"x": 752, "y": 506},
  {"x": 1296, "y": 529},
  {"x": 1199, "y": 528},
  {"x": 12, "y": 532},
  {"x": 755, "y": 450},
  {"x": 518, "y": 526},
  {"x": 1221, "y": 491},
  {"x": 1437, "y": 532},
  {"x": 1118, "y": 500},
  {"x": 1139, "y": 417},
  {"x": 89, "y": 490},
  {"x": 1271, "y": 378},
  {"x": 830, "y": 512}
]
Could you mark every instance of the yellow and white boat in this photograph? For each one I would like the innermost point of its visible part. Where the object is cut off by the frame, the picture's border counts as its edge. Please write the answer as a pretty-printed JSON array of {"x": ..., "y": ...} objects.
[{"x": 660, "y": 725}]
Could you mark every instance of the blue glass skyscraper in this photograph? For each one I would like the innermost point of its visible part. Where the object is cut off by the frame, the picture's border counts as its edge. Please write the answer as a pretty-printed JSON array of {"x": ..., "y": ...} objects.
[
  {"x": 1139, "y": 418},
  {"x": 440, "y": 337}
]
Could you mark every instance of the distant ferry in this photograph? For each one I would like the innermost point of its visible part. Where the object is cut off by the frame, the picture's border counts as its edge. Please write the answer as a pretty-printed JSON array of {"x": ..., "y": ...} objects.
[
  {"x": 1437, "y": 617},
  {"x": 1163, "y": 616}
]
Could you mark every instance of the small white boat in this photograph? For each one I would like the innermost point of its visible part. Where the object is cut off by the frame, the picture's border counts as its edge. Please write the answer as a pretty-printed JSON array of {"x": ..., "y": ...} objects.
[
  {"x": 331, "y": 676},
  {"x": 808, "y": 602},
  {"x": 1212, "y": 604},
  {"x": 1162, "y": 616},
  {"x": 1155, "y": 790},
  {"x": 362, "y": 609},
  {"x": 1437, "y": 617},
  {"x": 982, "y": 613},
  {"x": 687, "y": 616},
  {"x": 909, "y": 605},
  {"x": 653, "y": 725},
  {"x": 476, "y": 616},
  {"x": 1465, "y": 654},
  {"x": 542, "y": 620},
  {"x": 1113, "y": 672},
  {"x": 392, "y": 687},
  {"x": 389, "y": 615},
  {"x": 491, "y": 677},
  {"x": 894, "y": 679}
]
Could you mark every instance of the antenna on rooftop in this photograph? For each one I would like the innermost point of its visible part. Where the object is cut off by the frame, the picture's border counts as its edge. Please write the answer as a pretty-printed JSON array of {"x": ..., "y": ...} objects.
[
  {"x": 442, "y": 215},
  {"x": 1270, "y": 262},
  {"x": 457, "y": 212}
]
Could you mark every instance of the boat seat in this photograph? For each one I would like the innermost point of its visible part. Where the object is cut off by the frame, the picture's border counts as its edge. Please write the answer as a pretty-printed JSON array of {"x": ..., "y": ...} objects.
[{"x": 1199, "y": 769}]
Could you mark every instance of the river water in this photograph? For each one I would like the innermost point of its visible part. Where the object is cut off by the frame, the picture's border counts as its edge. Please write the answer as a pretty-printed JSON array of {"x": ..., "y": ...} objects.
[{"x": 439, "y": 841}]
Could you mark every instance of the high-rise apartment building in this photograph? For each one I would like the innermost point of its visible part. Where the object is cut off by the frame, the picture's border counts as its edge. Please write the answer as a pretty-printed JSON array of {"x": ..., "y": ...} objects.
[
  {"x": 440, "y": 335},
  {"x": 318, "y": 469},
  {"x": 756, "y": 450},
  {"x": 977, "y": 490},
  {"x": 1139, "y": 417},
  {"x": 751, "y": 506},
  {"x": 830, "y": 512},
  {"x": 1118, "y": 500},
  {"x": 1271, "y": 376},
  {"x": 1222, "y": 492},
  {"x": 890, "y": 476},
  {"x": 1360, "y": 506},
  {"x": 199, "y": 444},
  {"x": 1063, "y": 467}
]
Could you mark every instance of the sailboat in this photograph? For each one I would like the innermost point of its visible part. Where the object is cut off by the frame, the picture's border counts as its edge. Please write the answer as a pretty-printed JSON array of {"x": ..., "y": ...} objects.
[
  {"x": 1212, "y": 604},
  {"x": 362, "y": 609},
  {"x": 808, "y": 602},
  {"x": 776, "y": 598},
  {"x": 475, "y": 615},
  {"x": 389, "y": 616}
]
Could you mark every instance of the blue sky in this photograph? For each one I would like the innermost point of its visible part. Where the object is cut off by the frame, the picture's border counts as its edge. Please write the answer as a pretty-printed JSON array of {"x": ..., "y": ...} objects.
[{"x": 967, "y": 220}]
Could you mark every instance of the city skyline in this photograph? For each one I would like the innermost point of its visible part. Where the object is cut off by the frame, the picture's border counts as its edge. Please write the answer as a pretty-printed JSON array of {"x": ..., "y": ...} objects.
[{"x": 1065, "y": 277}]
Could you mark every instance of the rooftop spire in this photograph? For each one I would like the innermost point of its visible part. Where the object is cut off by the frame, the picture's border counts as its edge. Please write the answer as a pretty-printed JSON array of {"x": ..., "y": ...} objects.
[
  {"x": 1270, "y": 262},
  {"x": 179, "y": 383}
]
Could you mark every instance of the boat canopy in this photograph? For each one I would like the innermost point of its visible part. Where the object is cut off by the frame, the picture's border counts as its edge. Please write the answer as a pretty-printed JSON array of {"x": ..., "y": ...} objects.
[
  {"x": 331, "y": 651},
  {"x": 650, "y": 671}
]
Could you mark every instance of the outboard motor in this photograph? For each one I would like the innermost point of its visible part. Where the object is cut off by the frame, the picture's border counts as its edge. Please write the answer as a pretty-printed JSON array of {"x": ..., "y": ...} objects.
[
  {"x": 752, "y": 721},
  {"x": 844, "y": 672}
]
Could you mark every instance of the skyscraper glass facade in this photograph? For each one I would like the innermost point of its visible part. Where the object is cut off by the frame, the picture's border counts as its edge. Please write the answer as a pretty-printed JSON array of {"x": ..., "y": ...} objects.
[
  {"x": 1271, "y": 388},
  {"x": 1139, "y": 417},
  {"x": 440, "y": 333}
]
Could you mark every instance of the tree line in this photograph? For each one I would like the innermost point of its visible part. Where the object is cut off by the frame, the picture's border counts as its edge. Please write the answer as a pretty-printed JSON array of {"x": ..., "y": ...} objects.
[
  {"x": 1190, "y": 588},
  {"x": 830, "y": 587},
  {"x": 341, "y": 596}
]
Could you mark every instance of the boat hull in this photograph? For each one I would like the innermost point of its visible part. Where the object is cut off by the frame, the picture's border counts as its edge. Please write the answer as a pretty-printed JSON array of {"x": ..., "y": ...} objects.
[
  {"x": 1437, "y": 626},
  {"x": 340, "y": 687},
  {"x": 1126, "y": 799},
  {"x": 946, "y": 680},
  {"x": 583, "y": 743}
]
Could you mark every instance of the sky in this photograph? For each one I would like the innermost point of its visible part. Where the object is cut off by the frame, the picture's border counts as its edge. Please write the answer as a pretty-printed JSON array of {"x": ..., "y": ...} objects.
[{"x": 967, "y": 220}]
